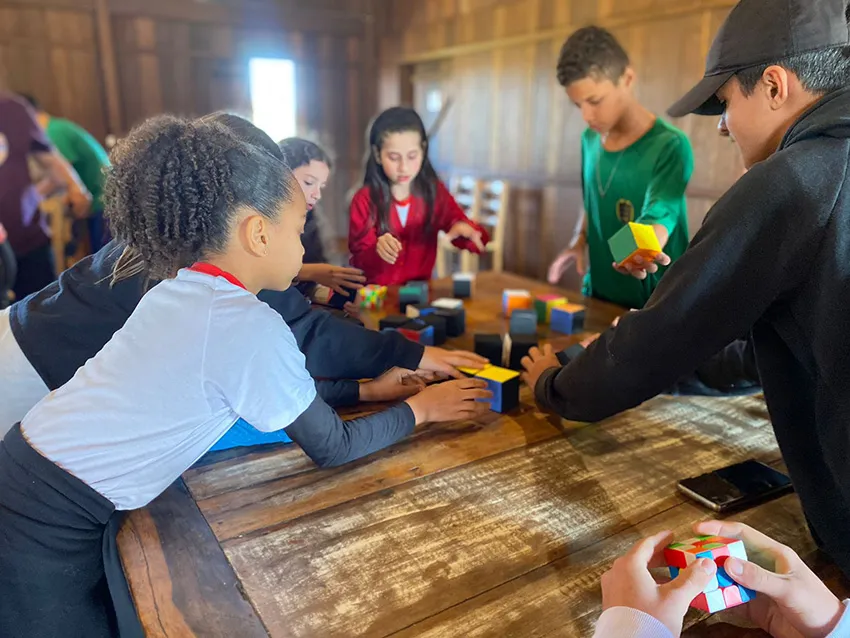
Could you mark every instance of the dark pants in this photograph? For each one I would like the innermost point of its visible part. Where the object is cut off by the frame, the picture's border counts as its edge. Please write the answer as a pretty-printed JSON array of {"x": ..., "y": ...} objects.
[
  {"x": 8, "y": 272},
  {"x": 36, "y": 269},
  {"x": 60, "y": 572}
]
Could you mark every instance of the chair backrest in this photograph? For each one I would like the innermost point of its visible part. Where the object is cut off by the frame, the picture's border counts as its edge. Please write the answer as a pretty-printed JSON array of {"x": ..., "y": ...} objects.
[{"x": 463, "y": 189}]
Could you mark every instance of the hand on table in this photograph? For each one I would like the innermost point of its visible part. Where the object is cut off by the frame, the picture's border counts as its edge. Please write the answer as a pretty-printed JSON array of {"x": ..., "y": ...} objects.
[
  {"x": 388, "y": 248},
  {"x": 465, "y": 230},
  {"x": 566, "y": 259},
  {"x": 792, "y": 602},
  {"x": 537, "y": 362},
  {"x": 337, "y": 278},
  {"x": 451, "y": 401},
  {"x": 641, "y": 267},
  {"x": 447, "y": 362},
  {"x": 629, "y": 583},
  {"x": 395, "y": 384}
]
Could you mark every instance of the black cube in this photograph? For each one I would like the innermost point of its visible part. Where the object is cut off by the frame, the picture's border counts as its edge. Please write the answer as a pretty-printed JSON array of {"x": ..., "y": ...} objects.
[
  {"x": 455, "y": 320},
  {"x": 393, "y": 322},
  {"x": 440, "y": 326},
  {"x": 489, "y": 346},
  {"x": 520, "y": 344}
]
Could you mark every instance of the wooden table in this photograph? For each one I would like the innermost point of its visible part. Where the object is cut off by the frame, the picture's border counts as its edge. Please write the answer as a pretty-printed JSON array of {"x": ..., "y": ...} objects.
[{"x": 499, "y": 527}]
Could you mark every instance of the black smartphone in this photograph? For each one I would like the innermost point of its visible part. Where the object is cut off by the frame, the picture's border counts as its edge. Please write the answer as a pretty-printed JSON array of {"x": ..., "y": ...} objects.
[{"x": 736, "y": 486}]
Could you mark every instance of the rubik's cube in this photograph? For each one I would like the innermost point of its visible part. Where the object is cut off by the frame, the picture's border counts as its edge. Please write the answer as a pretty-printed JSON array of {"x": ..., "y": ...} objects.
[
  {"x": 543, "y": 304},
  {"x": 567, "y": 318},
  {"x": 462, "y": 283},
  {"x": 418, "y": 331},
  {"x": 634, "y": 240},
  {"x": 372, "y": 296},
  {"x": 515, "y": 300},
  {"x": 414, "y": 292},
  {"x": 722, "y": 592},
  {"x": 523, "y": 322},
  {"x": 503, "y": 383}
]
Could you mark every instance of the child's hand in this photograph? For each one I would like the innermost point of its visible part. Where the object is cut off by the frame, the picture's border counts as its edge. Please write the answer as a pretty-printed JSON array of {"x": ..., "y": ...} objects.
[
  {"x": 564, "y": 261},
  {"x": 630, "y": 584},
  {"x": 462, "y": 229},
  {"x": 336, "y": 278},
  {"x": 641, "y": 267},
  {"x": 451, "y": 401},
  {"x": 393, "y": 385},
  {"x": 793, "y": 601},
  {"x": 537, "y": 362},
  {"x": 447, "y": 362},
  {"x": 351, "y": 309},
  {"x": 388, "y": 248}
]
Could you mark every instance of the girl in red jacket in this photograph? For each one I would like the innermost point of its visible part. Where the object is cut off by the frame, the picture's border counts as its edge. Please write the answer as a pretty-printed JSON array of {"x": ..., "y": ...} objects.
[{"x": 402, "y": 206}]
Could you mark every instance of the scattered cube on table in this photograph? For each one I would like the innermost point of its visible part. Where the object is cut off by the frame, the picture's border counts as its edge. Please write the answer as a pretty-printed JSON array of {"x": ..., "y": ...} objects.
[
  {"x": 567, "y": 318},
  {"x": 392, "y": 322},
  {"x": 372, "y": 297},
  {"x": 439, "y": 324},
  {"x": 455, "y": 320},
  {"x": 722, "y": 592},
  {"x": 471, "y": 372},
  {"x": 634, "y": 240},
  {"x": 504, "y": 384},
  {"x": 418, "y": 331},
  {"x": 523, "y": 322},
  {"x": 515, "y": 300},
  {"x": 489, "y": 346},
  {"x": 543, "y": 304},
  {"x": 462, "y": 283},
  {"x": 418, "y": 311},
  {"x": 515, "y": 348},
  {"x": 447, "y": 303}
]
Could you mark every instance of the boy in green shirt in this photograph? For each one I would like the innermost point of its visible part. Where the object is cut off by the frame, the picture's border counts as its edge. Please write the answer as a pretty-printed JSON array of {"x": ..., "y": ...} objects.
[
  {"x": 635, "y": 168},
  {"x": 87, "y": 157}
]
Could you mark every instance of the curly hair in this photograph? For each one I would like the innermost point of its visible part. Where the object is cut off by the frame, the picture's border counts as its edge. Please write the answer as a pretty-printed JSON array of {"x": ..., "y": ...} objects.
[
  {"x": 174, "y": 187},
  {"x": 298, "y": 152},
  {"x": 591, "y": 52}
]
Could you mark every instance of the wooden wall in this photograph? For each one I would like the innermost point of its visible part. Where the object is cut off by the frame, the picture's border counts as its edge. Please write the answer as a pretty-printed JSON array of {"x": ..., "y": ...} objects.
[
  {"x": 109, "y": 64},
  {"x": 511, "y": 119}
]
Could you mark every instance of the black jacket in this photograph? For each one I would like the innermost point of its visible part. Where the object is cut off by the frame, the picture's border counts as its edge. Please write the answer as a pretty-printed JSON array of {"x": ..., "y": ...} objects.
[{"x": 773, "y": 260}]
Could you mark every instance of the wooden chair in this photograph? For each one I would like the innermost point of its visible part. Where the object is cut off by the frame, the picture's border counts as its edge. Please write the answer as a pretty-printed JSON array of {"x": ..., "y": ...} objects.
[{"x": 485, "y": 202}]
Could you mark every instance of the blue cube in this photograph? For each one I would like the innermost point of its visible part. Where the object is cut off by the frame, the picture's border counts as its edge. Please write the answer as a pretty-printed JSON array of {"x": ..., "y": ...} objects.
[{"x": 523, "y": 322}]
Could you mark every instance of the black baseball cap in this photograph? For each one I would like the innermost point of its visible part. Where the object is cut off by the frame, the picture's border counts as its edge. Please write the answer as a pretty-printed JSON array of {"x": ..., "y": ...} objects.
[{"x": 760, "y": 32}]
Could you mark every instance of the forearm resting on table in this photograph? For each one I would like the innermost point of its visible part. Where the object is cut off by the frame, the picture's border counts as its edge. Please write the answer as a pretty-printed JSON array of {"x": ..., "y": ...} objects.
[{"x": 59, "y": 175}]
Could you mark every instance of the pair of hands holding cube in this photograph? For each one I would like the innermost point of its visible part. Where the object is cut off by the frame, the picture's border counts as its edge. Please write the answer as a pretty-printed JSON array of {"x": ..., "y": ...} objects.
[
  {"x": 637, "y": 268},
  {"x": 792, "y": 602}
]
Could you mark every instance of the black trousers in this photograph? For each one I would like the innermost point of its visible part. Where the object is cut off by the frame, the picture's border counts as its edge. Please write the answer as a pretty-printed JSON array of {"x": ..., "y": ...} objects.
[
  {"x": 36, "y": 269},
  {"x": 60, "y": 573}
]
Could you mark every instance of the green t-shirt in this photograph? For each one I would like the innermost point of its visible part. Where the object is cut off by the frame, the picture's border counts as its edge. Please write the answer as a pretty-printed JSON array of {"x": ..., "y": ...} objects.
[
  {"x": 83, "y": 153},
  {"x": 643, "y": 183}
]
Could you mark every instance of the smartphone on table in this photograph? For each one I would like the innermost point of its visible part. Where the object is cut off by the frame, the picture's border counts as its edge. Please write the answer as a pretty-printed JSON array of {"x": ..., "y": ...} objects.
[{"x": 737, "y": 486}]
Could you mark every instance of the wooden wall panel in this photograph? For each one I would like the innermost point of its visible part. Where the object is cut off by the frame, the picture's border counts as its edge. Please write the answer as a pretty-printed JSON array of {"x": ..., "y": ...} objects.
[{"x": 496, "y": 59}]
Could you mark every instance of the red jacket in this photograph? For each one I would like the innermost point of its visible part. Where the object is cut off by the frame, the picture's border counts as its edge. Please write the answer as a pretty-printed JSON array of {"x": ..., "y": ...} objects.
[{"x": 419, "y": 249}]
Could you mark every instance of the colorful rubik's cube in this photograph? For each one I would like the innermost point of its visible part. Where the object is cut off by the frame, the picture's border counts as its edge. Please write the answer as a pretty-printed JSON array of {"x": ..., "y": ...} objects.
[
  {"x": 515, "y": 300},
  {"x": 567, "y": 318},
  {"x": 503, "y": 383},
  {"x": 418, "y": 331},
  {"x": 722, "y": 592},
  {"x": 634, "y": 240},
  {"x": 372, "y": 296},
  {"x": 414, "y": 292},
  {"x": 543, "y": 304}
]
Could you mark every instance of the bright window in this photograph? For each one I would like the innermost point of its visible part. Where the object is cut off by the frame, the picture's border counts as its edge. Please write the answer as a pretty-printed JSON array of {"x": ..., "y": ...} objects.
[{"x": 273, "y": 96}]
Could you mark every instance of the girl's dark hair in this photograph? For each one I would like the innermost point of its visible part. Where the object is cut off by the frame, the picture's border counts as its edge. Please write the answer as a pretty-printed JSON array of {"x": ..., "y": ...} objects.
[
  {"x": 398, "y": 119},
  {"x": 245, "y": 131},
  {"x": 299, "y": 152},
  {"x": 175, "y": 185}
]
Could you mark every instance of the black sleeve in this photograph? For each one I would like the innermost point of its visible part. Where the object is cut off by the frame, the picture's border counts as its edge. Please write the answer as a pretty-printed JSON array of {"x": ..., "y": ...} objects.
[
  {"x": 330, "y": 441},
  {"x": 757, "y": 242},
  {"x": 342, "y": 393},
  {"x": 340, "y": 349},
  {"x": 732, "y": 367},
  {"x": 314, "y": 249}
]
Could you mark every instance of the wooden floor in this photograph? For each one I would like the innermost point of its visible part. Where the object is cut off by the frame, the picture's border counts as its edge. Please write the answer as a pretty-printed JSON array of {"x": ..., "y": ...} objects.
[{"x": 499, "y": 527}]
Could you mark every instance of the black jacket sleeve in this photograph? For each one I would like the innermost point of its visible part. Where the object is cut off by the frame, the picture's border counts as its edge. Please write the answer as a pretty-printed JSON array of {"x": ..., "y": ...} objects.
[
  {"x": 732, "y": 367},
  {"x": 330, "y": 441},
  {"x": 756, "y": 243},
  {"x": 339, "y": 349},
  {"x": 341, "y": 393}
]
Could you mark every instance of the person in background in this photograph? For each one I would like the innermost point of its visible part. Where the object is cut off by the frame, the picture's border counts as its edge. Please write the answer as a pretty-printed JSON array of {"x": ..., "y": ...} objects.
[
  {"x": 634, "y": 168},
  {"x": 792, "y": 602},
  {"x": 402, "y": 206},
  {"x": 23, "y": 140},
  {"x": 86, "y": 156},
  {"x": 771, "y": 260},
  {"x": 312, "y": 167},
  {"x": 8, "y": 269}
]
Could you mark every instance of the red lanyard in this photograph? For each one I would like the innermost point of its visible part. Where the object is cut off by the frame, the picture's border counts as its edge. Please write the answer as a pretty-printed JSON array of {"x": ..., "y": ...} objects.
[{"x": 215, "y": 271}]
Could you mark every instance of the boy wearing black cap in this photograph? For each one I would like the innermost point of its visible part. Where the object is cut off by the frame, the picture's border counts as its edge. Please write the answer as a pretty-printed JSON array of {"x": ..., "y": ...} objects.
[{"x": 772, "y": 259}]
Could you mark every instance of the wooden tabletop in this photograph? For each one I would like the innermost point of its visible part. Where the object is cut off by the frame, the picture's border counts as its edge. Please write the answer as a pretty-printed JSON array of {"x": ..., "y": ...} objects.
[{"x": 497, "y": 527}]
